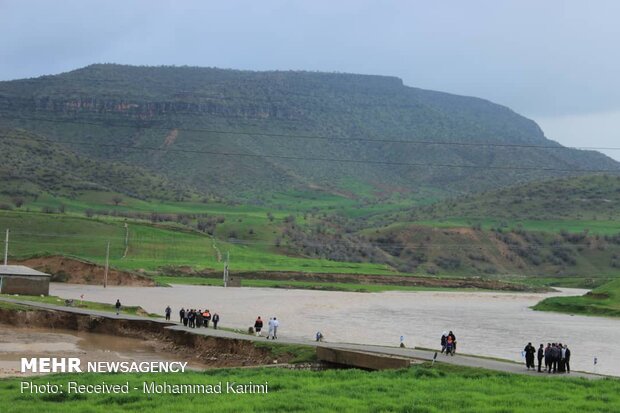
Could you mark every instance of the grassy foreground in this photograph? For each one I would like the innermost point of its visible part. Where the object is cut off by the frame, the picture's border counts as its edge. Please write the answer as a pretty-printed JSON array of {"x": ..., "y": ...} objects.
[
  {"x": 418, "y": 389},
  {"x": 602, "y": 301}
]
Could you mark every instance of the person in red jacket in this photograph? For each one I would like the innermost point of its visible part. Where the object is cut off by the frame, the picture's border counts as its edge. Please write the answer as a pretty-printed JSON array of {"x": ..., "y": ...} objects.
[{"x": 258, "y": 326}]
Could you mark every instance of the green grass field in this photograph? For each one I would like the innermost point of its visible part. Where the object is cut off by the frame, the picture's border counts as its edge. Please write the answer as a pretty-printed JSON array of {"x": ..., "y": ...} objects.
[
  {"x": 251, "y": 234},
  {"x": 151, "y": 247},
  {"x": 418, "y": 389}
]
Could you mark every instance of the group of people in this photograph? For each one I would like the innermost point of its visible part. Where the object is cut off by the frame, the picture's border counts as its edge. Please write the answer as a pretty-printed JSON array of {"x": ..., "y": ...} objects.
[
  {"x": 448, "y": 343},
  {"x": 272, "y": 326},
  {"x": 195, "y": 318},
  {"x": 555, "y": 356}
]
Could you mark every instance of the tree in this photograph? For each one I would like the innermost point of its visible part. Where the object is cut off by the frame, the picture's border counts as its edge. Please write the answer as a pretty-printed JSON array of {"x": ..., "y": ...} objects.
[
  {"x": 18, "y": 201},
  {"x": 117, "y": 200}
]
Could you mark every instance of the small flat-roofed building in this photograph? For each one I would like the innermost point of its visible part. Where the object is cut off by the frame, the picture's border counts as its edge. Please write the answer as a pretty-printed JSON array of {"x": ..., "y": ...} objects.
[{"x": 18, "y": 279}]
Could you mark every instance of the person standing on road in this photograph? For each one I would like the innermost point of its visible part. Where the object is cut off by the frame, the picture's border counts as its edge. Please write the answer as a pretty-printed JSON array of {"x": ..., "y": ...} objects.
[
  {"x": 555, "y": 356},
  {"x": 451, "y": 334},
  {"x": 199, "y": 319},
  {"x": 215, "y": 319},
  {"x": 541, "y": 355},
  {"x": 449, "y": 345},
  {"x": 270, "y": 325},
  {"x": 182, "y": 315},
  {"x": 118, "y": 306},
  {"x": 192, "y": 318},
  {"x": 276, "y": 324},
  {"x": 567, "y": 358},
  {"x": 444, "y": 341},
  {"x": 561, "y": 361},
  {"x": 168, "y": 311},
  {"x": 548, "y": 357},
  {"x": 258, "y": 326},
  {"x": 207, "y": 317},
  {"x": 529, "y": 355}
]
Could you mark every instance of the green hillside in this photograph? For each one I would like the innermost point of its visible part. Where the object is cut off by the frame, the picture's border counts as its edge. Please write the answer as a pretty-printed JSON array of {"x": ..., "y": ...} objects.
[
  {"x": 191, "y": 125},
  {"x": 32, "y": 166},
  {"x": 587, "y": 198}
]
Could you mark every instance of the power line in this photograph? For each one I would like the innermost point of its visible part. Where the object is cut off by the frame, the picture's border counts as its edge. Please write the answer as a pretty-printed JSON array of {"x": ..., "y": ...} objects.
[
  {"x": 312, "y": 137},
  {"x": 316, "y": 159}
]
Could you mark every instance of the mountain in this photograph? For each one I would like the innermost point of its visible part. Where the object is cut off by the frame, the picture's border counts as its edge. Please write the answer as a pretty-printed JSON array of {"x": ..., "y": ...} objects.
[
  {"x": 242, "y": 134},
  {"x": 32, "y": 165}
]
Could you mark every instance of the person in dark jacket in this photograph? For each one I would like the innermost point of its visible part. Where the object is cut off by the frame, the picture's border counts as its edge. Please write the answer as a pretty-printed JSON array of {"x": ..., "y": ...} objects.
[
  {"x": 258, "y": 326},
  {"x": 529, "y": 355},
  {"x": 561, "y": 363},
  {"x": 191, "y": 318},
  {"x": 118, "y": 306},
  {"x": 182, "y": 314},
  {"x": 541, "y": 355},
  {"x": 555, "y": 357},
  {"x": 215, "y": 319},
  {"x": 567, "y": 358},
  {"x": 444, "y": 341},
  {"x": 199, "y": 319},
  {"x": 168, "y": 311},
  {"x": 547, "y": 356}
]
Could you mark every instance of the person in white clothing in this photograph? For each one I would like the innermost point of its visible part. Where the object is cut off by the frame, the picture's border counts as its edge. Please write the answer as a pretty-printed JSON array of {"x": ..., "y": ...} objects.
[
  {"x": 276, "y": 323},
  {"x": 270, "y": 325}
]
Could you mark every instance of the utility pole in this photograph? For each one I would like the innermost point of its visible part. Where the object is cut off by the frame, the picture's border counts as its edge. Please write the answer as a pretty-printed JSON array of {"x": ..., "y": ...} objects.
[
  {"x": 6, "y": 248},
  {"x": 107, "y": 259},
  {"x": 226, "y": 269}
]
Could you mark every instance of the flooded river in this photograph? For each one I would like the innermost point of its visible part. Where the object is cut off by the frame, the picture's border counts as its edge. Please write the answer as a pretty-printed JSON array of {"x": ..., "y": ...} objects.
[{"x": 485, "y": 323}]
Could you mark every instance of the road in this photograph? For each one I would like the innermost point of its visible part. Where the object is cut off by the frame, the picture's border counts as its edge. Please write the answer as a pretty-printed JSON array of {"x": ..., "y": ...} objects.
[{"x": 417, "y": 354}]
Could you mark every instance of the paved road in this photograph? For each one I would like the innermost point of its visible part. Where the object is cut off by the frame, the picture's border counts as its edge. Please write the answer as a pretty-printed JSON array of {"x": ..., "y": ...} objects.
[{"x": 460, "y": 360}]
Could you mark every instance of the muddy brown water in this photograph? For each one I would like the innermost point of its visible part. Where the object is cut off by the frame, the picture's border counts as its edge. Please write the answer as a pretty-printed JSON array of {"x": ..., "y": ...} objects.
[
  {"x": 16, "y": 342},
  {"x": 485, "y": 323}
]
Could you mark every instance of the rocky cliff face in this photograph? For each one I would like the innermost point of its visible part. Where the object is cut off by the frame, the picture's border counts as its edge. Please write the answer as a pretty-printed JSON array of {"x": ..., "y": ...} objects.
[{"x": 145, "y": 109}]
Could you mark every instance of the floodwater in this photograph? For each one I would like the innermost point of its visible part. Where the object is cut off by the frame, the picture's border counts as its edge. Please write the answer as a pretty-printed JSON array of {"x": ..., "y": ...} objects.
[
  {"x": 16, "y": 343},
  {"x": 485, "y": 323}
]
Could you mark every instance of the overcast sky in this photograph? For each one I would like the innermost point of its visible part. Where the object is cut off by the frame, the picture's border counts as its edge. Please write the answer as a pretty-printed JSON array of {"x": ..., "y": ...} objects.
[{"x": 554, "y": 61}]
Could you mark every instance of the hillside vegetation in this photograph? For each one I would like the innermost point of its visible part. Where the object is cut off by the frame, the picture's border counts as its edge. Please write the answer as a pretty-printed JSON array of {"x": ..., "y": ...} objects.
[
  {"x": 587, "y": 198},
  {"x": 32, "y": 166},
  {"x": 192, "y": 125}
]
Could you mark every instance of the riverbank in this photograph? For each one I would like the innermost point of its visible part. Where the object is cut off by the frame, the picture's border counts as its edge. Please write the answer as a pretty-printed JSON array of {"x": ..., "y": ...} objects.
[
  {"x": 603, "y": 301},
  {"x": 211, "y": 351}
]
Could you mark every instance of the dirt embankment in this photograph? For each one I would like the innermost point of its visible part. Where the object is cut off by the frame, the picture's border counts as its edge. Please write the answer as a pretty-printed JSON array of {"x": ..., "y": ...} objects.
[
  {"x": 211, "y": 351},
  {"x": 75, "y": 271},
  {"x": 362, "y": 279}
]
